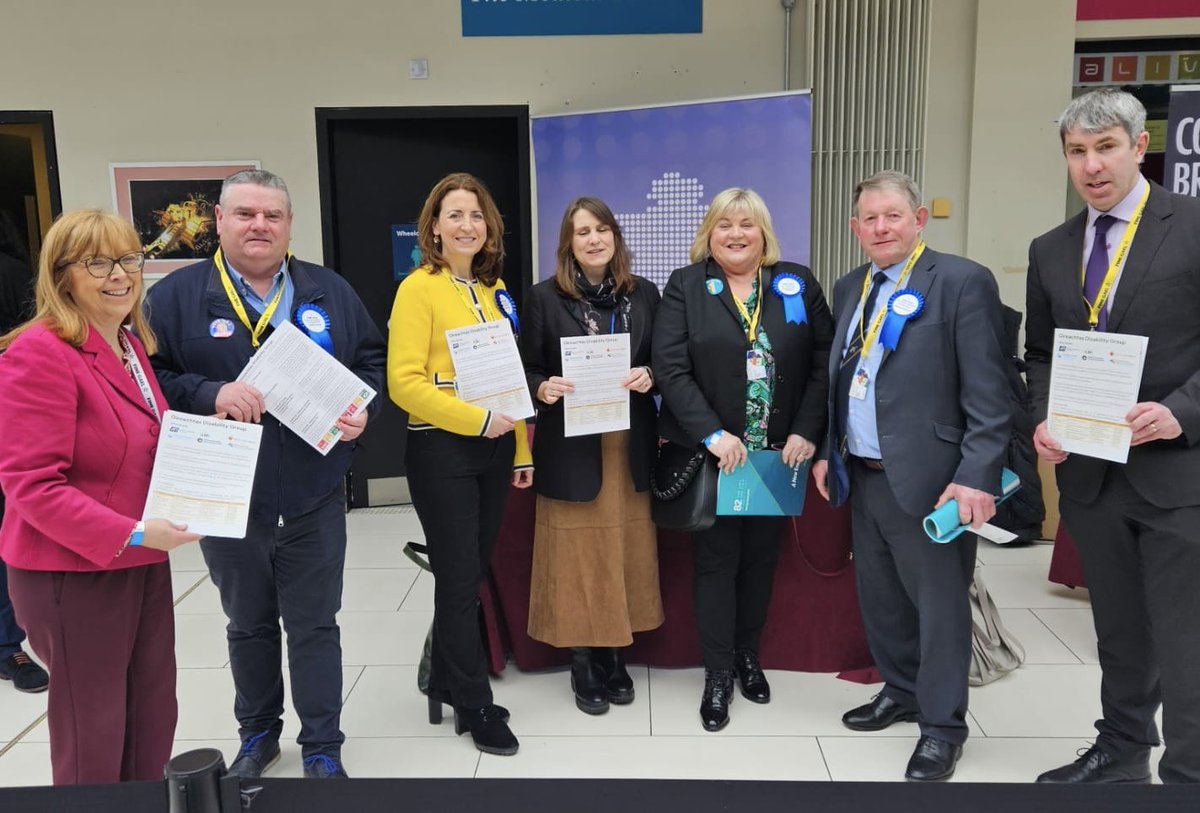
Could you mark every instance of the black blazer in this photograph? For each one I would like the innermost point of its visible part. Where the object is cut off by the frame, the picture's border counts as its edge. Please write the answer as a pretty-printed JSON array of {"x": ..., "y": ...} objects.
[
  {"x": 700, "y": 358},
  {"x": 570, "y": 468},
  {"x": 1157, "y": 295}
]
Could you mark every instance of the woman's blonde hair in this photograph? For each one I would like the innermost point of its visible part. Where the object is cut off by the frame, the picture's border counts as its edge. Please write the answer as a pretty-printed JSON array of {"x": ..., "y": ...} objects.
[
  {"x": 74, "y": 236},
  {"x": 729, "y": 200}
]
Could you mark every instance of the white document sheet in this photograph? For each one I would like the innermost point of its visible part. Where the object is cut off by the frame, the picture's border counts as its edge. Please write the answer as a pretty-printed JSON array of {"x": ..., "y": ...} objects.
[
  {"x": 487, "y": 369},
  {"x": 1094, "y": 382},
  {"x": 203, "y": 473},
  {"x": 304, "y": 387},
  {"x": 596, "y": 365}
]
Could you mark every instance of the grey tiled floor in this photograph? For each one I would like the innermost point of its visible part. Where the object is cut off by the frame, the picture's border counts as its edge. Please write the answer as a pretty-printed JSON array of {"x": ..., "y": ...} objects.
[{"x": 1021, "y": 725}]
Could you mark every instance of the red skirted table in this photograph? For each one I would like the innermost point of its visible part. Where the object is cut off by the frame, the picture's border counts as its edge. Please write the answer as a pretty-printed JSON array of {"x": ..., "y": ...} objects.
[{"x": 813, "y": 625}]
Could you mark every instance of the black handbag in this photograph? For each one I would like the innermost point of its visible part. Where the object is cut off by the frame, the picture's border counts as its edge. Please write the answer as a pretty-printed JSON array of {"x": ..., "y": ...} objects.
[{"x": 683, "y": 483}]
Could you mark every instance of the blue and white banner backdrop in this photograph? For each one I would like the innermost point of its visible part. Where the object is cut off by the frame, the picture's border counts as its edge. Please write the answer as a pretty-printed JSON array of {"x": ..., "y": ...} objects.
[
  {"x": 658, "y": 167},
  {"x": 1181, "y": 167},
  {"x": 556, "y": 18}
]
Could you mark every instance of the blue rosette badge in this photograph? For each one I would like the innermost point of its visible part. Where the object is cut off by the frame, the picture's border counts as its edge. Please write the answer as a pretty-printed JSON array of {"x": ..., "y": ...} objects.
[
  {"x": 904, "y": 306},
  {"x": 790, "y": 288},
  {"x": 314, "y": 321},
  {"x": 508, "y": 307}
]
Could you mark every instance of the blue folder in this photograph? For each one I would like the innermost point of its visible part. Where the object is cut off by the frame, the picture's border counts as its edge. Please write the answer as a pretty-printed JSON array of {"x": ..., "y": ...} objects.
[
  {"x": 764, "y": 487},
  {"x": 943, "y": 525}
]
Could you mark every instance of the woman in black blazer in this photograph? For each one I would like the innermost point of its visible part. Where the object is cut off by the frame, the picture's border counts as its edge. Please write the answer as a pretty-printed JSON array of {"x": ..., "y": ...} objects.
[
  {"x": 595, "y": 550},
  {"x": 741, "y": 342}
]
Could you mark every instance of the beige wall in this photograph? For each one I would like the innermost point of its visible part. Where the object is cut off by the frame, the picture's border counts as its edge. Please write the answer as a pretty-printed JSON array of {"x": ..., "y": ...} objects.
[{"x": 141, "y": 81}]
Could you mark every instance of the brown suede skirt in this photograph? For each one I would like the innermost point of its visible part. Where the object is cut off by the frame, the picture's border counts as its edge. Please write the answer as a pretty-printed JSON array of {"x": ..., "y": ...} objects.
[{"x": 595, "y": 564}]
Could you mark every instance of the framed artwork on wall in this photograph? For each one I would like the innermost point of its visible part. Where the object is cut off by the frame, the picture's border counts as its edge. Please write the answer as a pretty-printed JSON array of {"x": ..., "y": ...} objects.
[{"x": 171, "y": 207}]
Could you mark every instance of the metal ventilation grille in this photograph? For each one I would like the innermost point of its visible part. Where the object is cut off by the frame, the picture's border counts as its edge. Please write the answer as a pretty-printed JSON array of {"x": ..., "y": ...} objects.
[{"x": 868, "y": 68}]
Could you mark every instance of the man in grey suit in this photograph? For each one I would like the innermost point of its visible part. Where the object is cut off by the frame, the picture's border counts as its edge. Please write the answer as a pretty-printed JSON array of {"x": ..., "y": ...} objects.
[
  {"x": 920, "y": 414},
  {"x": 1137, "y": 525}
]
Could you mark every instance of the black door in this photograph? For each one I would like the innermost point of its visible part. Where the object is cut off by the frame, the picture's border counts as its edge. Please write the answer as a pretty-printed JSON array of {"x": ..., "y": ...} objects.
[{"x": 376, "y": 167}]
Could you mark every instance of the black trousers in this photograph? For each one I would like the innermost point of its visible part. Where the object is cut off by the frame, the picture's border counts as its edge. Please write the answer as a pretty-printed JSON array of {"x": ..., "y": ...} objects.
[
  {"x": 734, "y": 571},
  {"x": 459, "y": 485},
  {"x": 915, "y": 606},
  {"x": 293, "y": 572},
  {"x": 1142, "y": 565}
]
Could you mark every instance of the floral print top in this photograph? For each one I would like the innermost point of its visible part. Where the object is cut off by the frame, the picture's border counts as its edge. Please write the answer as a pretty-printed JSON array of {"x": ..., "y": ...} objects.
[{"x": 759, "y": 392}]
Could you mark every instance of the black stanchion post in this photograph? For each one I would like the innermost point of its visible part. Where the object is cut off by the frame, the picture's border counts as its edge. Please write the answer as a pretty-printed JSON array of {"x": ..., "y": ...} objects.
[{"x": 194, "y": 781}]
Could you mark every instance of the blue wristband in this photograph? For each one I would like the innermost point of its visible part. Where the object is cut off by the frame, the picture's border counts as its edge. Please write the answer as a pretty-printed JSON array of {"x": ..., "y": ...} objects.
[
  {"x": 139, "y": 533},
  {"x": 714, "y": 437}
]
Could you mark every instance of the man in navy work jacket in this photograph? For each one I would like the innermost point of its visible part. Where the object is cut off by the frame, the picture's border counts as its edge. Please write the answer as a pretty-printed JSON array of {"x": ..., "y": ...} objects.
[{"x": 209, "y": 318}]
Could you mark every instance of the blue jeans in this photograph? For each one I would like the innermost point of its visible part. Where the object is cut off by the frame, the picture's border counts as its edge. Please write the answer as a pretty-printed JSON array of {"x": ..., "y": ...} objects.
[
  {"x": 11, "y": 635},
  {"x": 293, "y": 573}
]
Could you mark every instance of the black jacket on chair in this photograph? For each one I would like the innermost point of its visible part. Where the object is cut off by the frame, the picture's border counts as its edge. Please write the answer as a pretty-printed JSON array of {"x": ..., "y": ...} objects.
[
  {"x": 700, "y": 357},
  {"x": 570, "y": 468}
]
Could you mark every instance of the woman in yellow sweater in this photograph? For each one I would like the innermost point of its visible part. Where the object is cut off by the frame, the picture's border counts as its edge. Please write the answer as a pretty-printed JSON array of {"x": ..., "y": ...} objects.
[{"x": 460, "y": 457}]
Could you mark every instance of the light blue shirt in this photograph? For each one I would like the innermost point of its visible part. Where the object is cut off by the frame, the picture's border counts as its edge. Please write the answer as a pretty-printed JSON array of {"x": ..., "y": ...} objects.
[
  {"x": 1123, "y": 212},
  {"x": 862, "y": 433},
  {"x": 282, "y": 277}
]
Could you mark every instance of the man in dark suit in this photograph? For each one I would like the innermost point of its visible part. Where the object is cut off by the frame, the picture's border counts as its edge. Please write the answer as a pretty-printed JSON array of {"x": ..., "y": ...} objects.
[
  {"x": 1137, "y": 525},
  {"x": 919, "y": 415}
]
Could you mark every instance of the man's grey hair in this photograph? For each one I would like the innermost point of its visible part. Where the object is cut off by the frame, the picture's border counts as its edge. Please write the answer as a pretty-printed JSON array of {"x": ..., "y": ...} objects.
[
  {"x": 255, "y": 177},
  {"x": 890, "y": 180},
  {"x": 1099, "y": 110}
]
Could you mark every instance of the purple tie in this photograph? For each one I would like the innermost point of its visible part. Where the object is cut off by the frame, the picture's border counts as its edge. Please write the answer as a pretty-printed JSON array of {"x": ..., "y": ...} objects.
[{"x": 1097, "y": 267}]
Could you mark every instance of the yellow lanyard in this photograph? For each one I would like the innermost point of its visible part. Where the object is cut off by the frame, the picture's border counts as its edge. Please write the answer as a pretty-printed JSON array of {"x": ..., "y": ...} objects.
[
  {"x": 868, "y": 340},
  {"x": 240, "y": 309},
  {"x": 484, "y": 311},
  {"x": 1115, "y": 266},
  {"x": 751, "y": 318}
]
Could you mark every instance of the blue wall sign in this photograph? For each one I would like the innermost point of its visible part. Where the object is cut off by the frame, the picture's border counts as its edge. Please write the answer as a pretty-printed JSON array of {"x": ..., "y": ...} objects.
[
  {"x": 550, "y": 18},
  {"x": 405, "y": 254}
]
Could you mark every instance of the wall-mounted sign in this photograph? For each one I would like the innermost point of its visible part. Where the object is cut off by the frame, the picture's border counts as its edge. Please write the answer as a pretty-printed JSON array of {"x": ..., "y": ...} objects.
[
  {"x": 556, "y": 18},
  {"x": 405, "y": 254},
  {"x": 1181, "y": 169},
  {"x": 1144, "y": 68}
]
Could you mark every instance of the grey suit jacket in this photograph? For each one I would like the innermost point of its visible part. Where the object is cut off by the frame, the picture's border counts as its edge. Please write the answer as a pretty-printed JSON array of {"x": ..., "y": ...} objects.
[
  {"x": 942, "y": 396},
  {"x": 1158, "y": 296}
]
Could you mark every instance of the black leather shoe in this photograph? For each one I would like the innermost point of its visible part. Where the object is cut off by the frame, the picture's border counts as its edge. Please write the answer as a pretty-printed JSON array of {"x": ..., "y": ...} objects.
[
  {"x": 488, "y": 729},
  {"x": 591, "y": 694},
  {"x": 750, "y": 675},
  {"x": 877, "y": 715},
  {"x": 714, "y": 705},
  {"x": 933, "y": 760},
  {"x": 439, "y": 699},
  {"x": 611, "y": 662},
  {"x": 257, "y": 754},
  {"x": 1095, "y": 765},
  {"x": 324, "y": 766}
]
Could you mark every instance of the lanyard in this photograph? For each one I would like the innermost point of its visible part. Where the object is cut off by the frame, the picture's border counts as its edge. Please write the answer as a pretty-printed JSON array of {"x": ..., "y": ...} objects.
[
  {"x": 751, "y": 318},
  {"x": 481, "y": 309},
  {"x": 1110, "y": 277},
  {"x": 139, "y": 375},
  {"x": 240, "y": 309},
  {"x": 868, "y": 340}
]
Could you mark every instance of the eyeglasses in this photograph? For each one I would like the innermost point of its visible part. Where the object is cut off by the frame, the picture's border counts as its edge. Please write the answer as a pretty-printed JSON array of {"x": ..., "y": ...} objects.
[{"x": 102, "y": 267}]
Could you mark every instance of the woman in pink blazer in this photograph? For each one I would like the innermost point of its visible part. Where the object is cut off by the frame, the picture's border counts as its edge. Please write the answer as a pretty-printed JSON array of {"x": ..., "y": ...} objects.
[{"x": 90, "y": 583}]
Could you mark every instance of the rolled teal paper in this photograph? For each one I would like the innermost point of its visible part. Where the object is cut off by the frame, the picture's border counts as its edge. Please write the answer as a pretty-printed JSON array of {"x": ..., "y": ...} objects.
[{"x": 943, "y": 526}]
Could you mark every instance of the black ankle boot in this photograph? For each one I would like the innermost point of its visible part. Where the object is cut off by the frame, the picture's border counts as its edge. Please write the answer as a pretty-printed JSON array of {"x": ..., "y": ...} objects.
[
  {"x": 438, "y": 699},
  {"x": 714, "y": 705},
  {"x": 611, "y": 663},
  {"x": 488, "y": 728},
  {"x": 587, "y": 682}
]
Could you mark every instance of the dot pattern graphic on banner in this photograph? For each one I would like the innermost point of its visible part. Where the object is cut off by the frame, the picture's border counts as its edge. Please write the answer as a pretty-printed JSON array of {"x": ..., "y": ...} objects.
[
  {"x": 660, "y": 237},
  {"x": 657, "y": 168}
]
